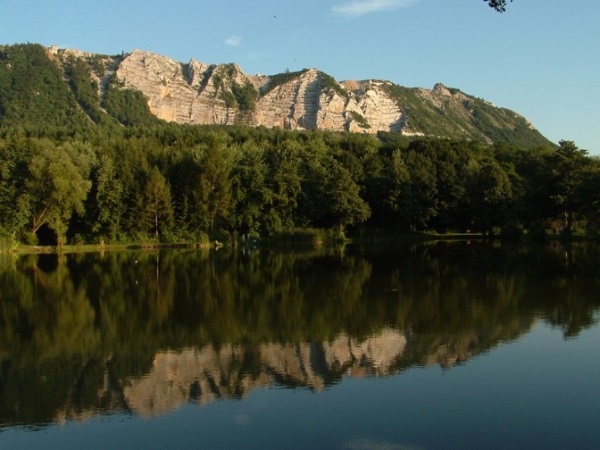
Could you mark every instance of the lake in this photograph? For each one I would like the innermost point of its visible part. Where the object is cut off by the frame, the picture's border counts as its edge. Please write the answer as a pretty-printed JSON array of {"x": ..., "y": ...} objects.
[{"x": 450, "y": 344}]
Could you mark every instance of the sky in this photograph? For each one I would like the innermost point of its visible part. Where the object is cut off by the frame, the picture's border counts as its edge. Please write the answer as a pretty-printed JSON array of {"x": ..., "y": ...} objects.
[{"x": 541, "y": 58}]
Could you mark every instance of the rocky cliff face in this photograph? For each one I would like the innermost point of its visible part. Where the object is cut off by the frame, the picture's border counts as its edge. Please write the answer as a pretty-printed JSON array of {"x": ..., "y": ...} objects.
[
  {"x": 198, "y": 93},
  {"x": 176, "y": 92}
]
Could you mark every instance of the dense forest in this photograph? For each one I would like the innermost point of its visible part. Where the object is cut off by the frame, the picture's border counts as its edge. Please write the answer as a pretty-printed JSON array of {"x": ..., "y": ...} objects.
[{"x": 72, "y": 171}]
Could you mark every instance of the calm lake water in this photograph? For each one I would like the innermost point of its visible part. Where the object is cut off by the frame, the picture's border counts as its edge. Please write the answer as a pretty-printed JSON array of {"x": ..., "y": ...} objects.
[{"x": 418, "y": 346}]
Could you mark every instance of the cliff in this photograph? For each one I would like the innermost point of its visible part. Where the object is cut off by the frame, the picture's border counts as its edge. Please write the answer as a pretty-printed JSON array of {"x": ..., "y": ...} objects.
[
  {"x": 201, "y": 93},
  {"x": 198, "y": 93}
]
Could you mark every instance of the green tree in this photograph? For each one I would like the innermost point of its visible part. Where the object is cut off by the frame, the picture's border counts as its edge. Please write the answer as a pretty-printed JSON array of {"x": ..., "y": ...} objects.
[
  {"x": 491, "y": 194},
  {"x": 286, "y": 184},
  {"x": 128, "y": 106},
  {"x": 84, "y": 88},
  {"x": 33, "y": 92},
  {"x": 251, "y": 190},
  {"x": 343, "y": 204},
  {"x": 396, "y": 178},
  {"x": 533, "y": 205},
  {"x": 420, "y": 196},
  {"x": 107, "y": 199},
  {"x": 184, "y": 179},
  {"x": 159, "y": 213},
  {"x": 14, "y": 158},
  {"x": 589, "y": 191},
  {"x": 568, "y": 168},
  {"x": 216, "y": 162},
  {"x": 56, "y": 188}
]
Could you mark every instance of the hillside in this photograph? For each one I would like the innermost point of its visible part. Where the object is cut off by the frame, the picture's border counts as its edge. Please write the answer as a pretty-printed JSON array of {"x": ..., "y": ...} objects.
[{"x": 59, "y": 87}]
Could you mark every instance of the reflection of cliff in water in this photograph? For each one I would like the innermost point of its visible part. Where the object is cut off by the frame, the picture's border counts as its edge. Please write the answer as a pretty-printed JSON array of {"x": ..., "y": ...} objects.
[
  {"x": 144, "y": 333},
  {"x": 208, "y": 374},
  {"x": 211, "y": 373}
]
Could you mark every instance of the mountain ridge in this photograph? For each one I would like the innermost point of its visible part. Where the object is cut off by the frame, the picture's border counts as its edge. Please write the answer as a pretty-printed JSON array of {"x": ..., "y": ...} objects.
[{"x": 198, "y": 93}]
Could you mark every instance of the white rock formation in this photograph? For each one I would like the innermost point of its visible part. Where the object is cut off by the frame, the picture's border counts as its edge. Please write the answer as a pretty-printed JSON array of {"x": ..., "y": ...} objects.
[{"x": 190, "y": 93}]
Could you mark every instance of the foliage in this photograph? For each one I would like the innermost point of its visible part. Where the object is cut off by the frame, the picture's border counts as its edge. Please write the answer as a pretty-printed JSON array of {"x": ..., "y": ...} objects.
[
  {"x": 188, "y": 182},
  {"x": 228, "y": 98},
  {"x": 157, "y": 196},
  {"x": 245, "y": 96},
  {"x": 232, "y": 93},
  {"x": 329, "y": 83},
  {"x": 498, "y": 5},
  {"x": 32, "y": 90},
  {"x": 56, "y": 186},
  {"x": 84, "y": 88},
  {"x": 471, "y": 117},
  {"x": 98, "y": 64},
  {"x": 280, "y": 79},
  {"x": 128, "y": 106},
  {"x": 360, "y": 120}
]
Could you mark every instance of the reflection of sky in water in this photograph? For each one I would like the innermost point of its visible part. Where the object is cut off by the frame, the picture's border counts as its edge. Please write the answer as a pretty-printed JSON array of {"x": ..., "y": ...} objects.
[{"x": 541, "y": 391}]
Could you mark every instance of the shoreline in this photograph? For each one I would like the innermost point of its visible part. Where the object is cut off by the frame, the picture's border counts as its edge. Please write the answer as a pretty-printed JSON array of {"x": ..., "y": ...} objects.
[{"x": 277, "y": 242}]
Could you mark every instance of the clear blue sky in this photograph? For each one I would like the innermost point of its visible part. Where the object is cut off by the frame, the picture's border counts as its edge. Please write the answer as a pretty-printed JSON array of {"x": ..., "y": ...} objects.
[{"x": 541, "y": 58}]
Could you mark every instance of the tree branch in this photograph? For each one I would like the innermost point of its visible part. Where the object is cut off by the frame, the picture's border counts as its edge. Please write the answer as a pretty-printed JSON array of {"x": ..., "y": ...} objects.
[{"x": 498, "y": 5}]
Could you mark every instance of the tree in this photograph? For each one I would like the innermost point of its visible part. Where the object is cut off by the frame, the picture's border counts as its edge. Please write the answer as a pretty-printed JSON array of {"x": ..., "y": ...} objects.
[
  {"x": 14, "y": 158},
  {"x": 286, "y": 186},
  {"x": 491, "y": 193},
  {"x": 108, "y": 192},
  {"x": 215, "y": 182},
  {"x": 184, "y": 179},
  {"x": 568, "y": 169},
  {"x": 344, "y": 205},
  {"x": 498, "y": 5},
  {"x": 56, "y": 188},
  {"x": 251, "y": 192},
  {"x": 159, "y": 213},
  {"x": 590, "y": 194},
  {"x": 396, "y": 178},
  {"x": 420, "y": 195},
  {"x": 531, "y": 188}
]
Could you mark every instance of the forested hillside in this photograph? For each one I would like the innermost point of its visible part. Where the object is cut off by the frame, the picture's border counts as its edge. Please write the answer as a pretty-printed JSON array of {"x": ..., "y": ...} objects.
[{"x": 71, "y": 173}]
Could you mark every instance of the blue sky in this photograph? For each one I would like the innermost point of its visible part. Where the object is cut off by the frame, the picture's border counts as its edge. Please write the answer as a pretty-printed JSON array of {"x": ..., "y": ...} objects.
[{"x": 540, "y": 58}]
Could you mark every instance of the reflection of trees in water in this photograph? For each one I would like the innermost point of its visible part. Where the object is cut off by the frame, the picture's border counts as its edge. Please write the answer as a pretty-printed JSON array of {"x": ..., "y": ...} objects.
[{"x": 82, "y": 332}]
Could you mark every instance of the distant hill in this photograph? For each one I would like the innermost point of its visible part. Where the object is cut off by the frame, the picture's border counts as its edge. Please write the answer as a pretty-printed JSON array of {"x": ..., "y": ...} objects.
[{"x": 62, "y": 87}]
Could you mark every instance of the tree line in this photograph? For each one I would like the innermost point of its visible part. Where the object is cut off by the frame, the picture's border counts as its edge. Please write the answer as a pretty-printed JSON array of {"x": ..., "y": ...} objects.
[{"x": 174, "y": 183}]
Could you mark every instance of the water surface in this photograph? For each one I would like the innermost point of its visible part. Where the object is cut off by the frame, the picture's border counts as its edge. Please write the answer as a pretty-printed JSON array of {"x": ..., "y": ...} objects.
[{"x": 439, "y": 345}]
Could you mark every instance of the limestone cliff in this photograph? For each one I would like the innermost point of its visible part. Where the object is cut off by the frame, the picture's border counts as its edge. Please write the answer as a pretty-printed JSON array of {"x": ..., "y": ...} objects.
[
  {"x": 197, "y": 93},
  {"x": 200, "y": 93},
  {"x": 133, "y": 89}
]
